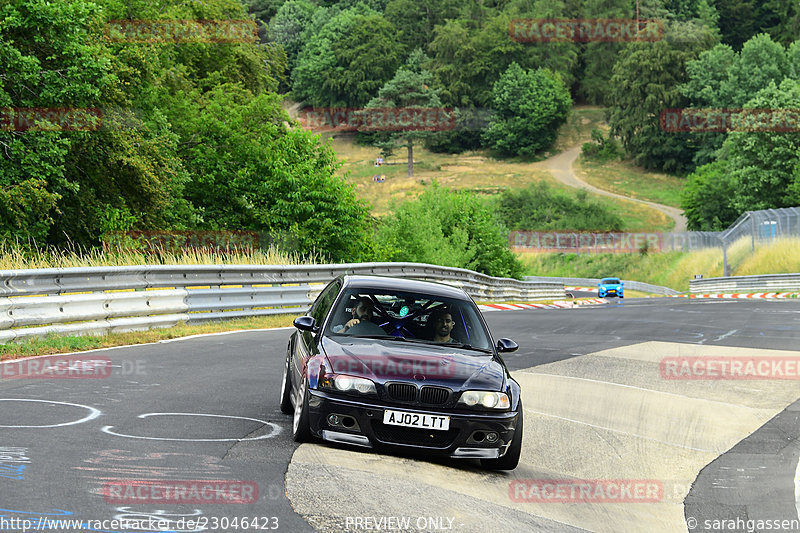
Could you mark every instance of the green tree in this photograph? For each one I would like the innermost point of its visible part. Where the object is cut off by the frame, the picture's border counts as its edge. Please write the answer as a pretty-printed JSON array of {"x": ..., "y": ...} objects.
[
  {"x": 783, "y": 20},
  {"x": 793, "y": 60},
  {"x": 415, "y": 20},
  {"x": 530, "y": 106},
  {"x": 347, "y": 61},
  {"x": 252, "y": 172},
  {"x": 71, "y": 70},
  {"x": 737, "y": 22},
  {"x": 645, "y": 82},
  {"x": 408, "y": 89},
  {"x": 264, "y": 10},
  {"x": 706, "y": 198},
  {"x": 287, "y": 26},
  {"x": 723, "y": 78},
  {"x": 763, "y": 164},
  {"x": 448, "y": 228},
  {"x": 467, "y": 58}
]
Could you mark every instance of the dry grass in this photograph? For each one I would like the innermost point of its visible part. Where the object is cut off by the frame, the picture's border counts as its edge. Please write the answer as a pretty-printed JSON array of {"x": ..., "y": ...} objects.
[
  {"x": 17, "y": 258},
  {"x": 582, "y": 120},
  {"x": 622, "y": 177},
  {"x": 56, "y": 344},
  {"x": 781, "y": 256},
  {"x": 478, "y": 171}
]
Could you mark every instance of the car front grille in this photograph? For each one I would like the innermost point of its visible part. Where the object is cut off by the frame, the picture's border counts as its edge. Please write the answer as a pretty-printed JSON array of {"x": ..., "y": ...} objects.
[
  {"x": 414, "y": 436},
  {"x": 402, "y": 392},
  {"x": 409, "y": 393},
  {"x": 434, "y": 395}
]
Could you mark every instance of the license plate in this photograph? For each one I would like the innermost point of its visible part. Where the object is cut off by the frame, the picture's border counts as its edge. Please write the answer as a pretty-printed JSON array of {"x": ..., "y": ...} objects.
[
  {"x": 416, "y": 420},
  {"x": 612, "y": 290}
]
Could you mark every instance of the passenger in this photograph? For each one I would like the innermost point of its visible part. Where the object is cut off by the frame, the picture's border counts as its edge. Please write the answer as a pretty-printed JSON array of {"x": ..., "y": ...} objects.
[
  {"x": 361, "y": 311},
  {"x": 442, "y": 322}
]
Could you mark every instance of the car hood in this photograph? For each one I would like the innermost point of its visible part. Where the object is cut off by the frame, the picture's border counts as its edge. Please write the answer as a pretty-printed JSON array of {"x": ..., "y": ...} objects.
[{"x": 382, "y": 361}]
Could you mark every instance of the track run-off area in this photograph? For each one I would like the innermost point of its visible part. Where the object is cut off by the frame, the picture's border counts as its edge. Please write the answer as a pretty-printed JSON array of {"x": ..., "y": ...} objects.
[{"x": 660, "y": 414}]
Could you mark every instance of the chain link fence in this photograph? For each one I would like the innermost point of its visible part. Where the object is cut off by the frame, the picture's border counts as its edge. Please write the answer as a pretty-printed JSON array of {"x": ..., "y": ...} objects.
[{"x": 760, "y": 226}]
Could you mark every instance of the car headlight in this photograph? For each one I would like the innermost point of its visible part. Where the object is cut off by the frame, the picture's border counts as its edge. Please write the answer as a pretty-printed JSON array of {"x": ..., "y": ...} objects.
[
  {"x": 485, "y": 399},
  {"x": 348, "y": 384}
]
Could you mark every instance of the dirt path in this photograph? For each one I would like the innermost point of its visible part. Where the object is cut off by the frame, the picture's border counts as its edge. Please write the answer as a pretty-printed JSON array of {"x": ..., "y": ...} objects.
[{"x": 560, "y": 166}]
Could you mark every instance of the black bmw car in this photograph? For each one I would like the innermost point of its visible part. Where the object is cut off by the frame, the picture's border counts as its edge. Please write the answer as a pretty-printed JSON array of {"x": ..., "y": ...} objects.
[{"x": 385, "y": 362}]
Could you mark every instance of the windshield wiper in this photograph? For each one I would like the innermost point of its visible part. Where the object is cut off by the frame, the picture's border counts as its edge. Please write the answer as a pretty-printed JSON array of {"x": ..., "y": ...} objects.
[{"x": 468, "y": 347}]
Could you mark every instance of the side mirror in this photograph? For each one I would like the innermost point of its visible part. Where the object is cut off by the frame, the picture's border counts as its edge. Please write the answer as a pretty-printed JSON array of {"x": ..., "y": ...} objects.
[
  {"x": 621, "y": 283},
  {"x": 506, "y": 345},
  {"x": 306, "y": 323}
]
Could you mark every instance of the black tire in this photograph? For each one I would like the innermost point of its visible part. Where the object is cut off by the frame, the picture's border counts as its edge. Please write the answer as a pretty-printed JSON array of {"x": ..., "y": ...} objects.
[
  {"x": 286, "y": 390},
  {"x": 511, "y": 459},
  {"x": 300, "y": 426}
]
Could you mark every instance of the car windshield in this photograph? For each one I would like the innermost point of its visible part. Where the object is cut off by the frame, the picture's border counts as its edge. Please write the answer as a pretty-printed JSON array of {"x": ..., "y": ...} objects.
[
  {"x": 408, "y": 316},
  {"x": 611, "y": 281}
]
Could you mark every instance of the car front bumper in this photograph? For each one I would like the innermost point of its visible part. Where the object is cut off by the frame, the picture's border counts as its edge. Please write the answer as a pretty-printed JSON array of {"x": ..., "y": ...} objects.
[{"x": 361, "y": 424}]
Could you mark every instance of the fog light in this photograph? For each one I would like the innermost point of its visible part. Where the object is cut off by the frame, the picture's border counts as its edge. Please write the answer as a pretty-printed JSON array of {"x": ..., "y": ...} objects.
[
  {"x": 491, "y": 437},
  {"x": 333, "y": 420}
]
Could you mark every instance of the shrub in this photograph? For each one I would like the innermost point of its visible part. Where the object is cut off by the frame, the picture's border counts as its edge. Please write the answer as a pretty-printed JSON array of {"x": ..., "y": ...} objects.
[{"x": 448, "y": 228}]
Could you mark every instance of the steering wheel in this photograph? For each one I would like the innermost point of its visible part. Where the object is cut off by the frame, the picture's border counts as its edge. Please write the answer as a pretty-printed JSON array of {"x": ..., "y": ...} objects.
[{"x": 399, "y": 330}]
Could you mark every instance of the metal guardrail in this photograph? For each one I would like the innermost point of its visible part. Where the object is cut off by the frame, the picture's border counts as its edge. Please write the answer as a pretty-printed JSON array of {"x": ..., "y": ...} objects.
[
  {"x": 96, "y": 300},
  {"x": 763, "y": 283},
  {"x": 592, "y": 282}
]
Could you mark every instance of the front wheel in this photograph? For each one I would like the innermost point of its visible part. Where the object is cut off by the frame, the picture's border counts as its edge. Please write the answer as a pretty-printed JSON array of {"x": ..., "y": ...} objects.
[
  {"x": 300, "y": 424},
  {"x": 286, "y": 390},
  {"x": 511, "y": 459}
]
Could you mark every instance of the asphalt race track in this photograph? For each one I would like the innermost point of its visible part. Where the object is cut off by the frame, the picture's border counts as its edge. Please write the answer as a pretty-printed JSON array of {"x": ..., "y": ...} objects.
[{"x": 615, "y": 438}]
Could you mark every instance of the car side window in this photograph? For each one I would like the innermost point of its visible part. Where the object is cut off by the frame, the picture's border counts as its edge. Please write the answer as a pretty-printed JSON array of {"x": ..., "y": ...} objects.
[{"x": 324, "y": 302}]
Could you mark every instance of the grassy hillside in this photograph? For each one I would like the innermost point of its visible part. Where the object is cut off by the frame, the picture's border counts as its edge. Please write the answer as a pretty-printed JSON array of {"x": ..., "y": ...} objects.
[
  {"x": 478, "y": 171},
  {"x": 622, "y": 177}
]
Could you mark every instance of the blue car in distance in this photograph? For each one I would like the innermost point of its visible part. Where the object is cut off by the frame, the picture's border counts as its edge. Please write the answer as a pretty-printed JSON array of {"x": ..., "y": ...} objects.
[{"x": 610, "y": 287}]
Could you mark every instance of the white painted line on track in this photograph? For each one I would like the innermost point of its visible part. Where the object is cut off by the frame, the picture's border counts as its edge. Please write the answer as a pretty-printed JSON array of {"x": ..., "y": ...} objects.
[
  {"x": 198, "y": 335},
  {"x": 276, "y": 429},
  {"x": 731, "y": 332},
  {"x": 797, "y": 488},
  {"x": 93, "y": 413}
]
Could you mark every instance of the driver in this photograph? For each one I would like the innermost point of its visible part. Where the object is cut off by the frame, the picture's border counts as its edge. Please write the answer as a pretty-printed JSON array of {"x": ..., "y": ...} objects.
[
  {"x": 443, "y": 323},
  {"x": 361, "y": 311}
]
